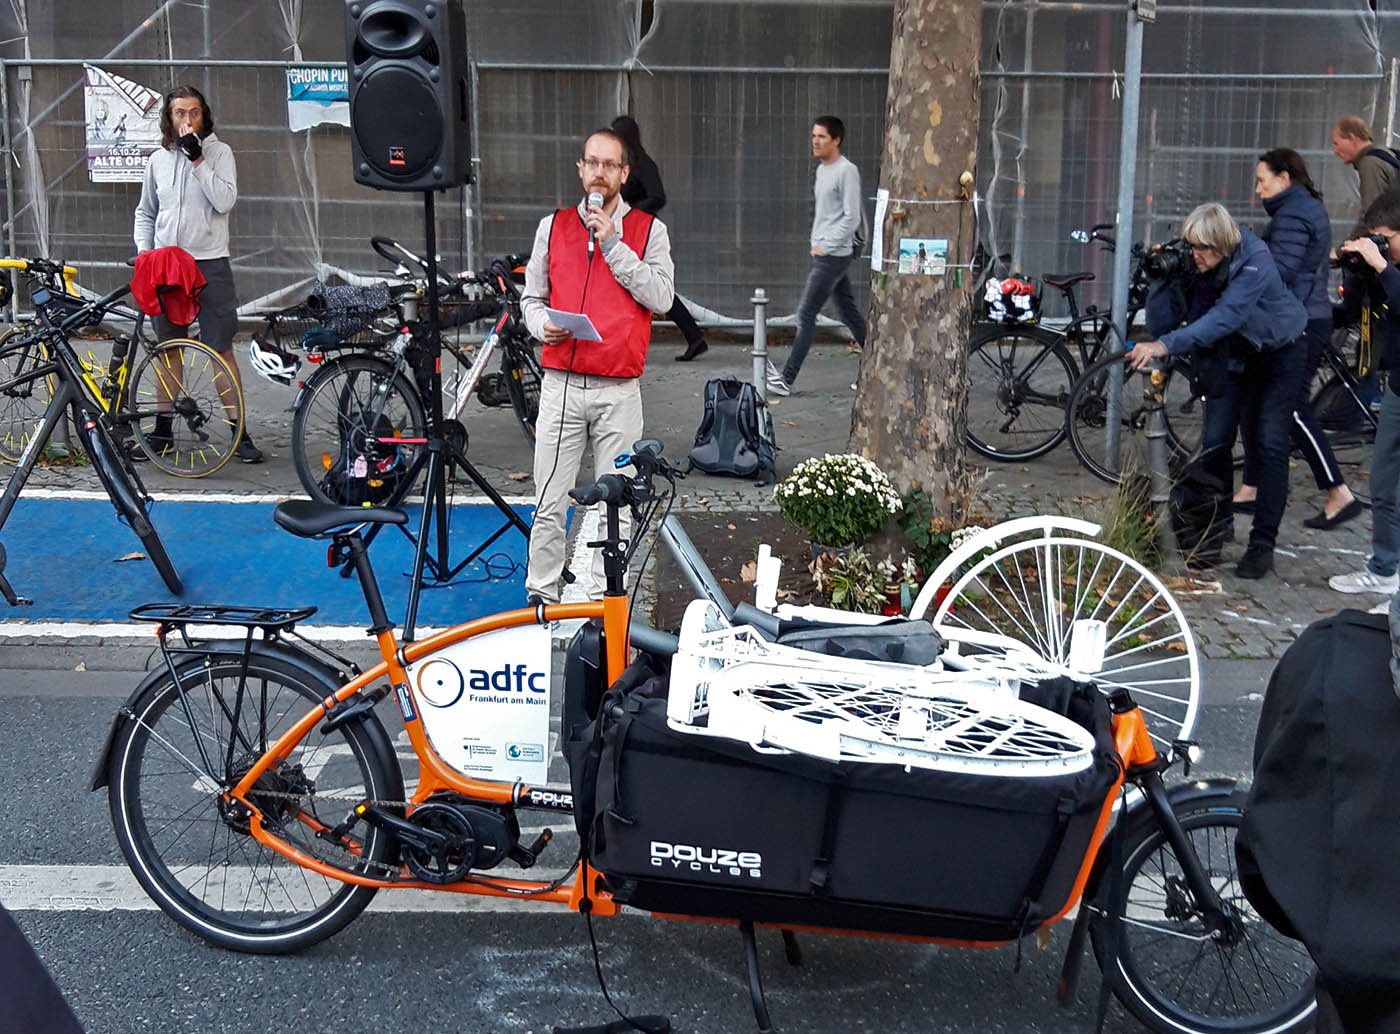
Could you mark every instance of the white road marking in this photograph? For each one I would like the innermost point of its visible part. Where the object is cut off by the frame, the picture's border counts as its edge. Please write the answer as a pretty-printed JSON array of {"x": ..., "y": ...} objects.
[
  {"x": 246, "y": 497},
  {"x": 112, "y": 888}
]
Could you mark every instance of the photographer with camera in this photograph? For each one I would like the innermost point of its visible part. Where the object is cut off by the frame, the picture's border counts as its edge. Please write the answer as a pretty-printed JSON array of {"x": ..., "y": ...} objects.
[
  {"x": 1374, "y": 280},
  {"x": 1242, "y": 327}
]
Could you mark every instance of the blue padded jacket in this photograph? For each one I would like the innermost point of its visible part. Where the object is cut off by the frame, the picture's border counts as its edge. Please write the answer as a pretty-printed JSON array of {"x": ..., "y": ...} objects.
[
  {"x": 1253, "y": 303},
  {"x": 1299, "y": 235}
]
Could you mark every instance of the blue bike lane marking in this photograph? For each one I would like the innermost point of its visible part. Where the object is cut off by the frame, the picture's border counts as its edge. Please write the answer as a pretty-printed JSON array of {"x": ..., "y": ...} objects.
[{"x": 65, "y": 554}]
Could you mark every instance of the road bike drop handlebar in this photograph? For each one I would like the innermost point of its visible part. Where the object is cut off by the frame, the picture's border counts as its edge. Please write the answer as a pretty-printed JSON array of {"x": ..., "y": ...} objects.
[{"x": 46, "y": 268}]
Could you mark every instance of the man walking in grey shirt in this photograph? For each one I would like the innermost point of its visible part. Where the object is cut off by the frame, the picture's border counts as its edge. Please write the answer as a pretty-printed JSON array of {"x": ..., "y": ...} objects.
[{"x": 834, "y": 226}]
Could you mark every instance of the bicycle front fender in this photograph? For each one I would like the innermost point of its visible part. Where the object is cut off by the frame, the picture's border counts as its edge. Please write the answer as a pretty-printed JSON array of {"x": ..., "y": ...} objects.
[
  {"x": 1201, "y": 792},
  {"x": 1139, "y": 813},
  {"x": 129, "y": 500}
]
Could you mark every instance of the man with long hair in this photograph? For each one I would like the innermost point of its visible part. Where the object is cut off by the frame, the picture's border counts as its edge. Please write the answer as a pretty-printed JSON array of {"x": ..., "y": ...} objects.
[{"x": 189, "y": 188}]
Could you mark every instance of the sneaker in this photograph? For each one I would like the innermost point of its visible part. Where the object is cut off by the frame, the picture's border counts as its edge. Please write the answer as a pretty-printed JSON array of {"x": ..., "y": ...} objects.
[
  {"x": 246, "y": 451},
  {"x": 777, "y": 383},
  {"x": 1364, "y": 580},
  {"x": 1383, "y": 607},
  {"x": 1255, "y": 563}
]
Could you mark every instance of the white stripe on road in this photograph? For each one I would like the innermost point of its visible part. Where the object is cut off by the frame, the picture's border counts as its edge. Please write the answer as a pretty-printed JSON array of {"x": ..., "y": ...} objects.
[
  {"x": 112, "y": 888},
  {"x": 247, "y": 497}
]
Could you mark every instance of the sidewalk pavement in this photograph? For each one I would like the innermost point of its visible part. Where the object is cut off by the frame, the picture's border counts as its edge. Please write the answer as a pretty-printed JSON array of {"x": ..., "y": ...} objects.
[{"x": 1231, "y": 618}]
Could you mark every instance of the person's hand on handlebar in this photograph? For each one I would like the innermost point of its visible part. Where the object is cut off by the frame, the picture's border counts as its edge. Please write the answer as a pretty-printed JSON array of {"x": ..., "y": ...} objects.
[{"x": 1145, "y": 352}]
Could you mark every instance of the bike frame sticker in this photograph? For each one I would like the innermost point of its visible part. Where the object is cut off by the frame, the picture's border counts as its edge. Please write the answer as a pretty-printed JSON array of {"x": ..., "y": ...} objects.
[
  {"x": 486, "y": 703},
  {"x": 405, "y": 701}
]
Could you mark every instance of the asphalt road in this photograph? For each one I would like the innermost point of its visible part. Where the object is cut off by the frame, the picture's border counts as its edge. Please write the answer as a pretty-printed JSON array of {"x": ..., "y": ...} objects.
[{"x": 125, "y": 967}]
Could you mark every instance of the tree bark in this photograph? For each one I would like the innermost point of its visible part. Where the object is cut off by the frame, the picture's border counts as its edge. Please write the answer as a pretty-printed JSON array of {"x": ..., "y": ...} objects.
[{"x": 910, "y": 408}]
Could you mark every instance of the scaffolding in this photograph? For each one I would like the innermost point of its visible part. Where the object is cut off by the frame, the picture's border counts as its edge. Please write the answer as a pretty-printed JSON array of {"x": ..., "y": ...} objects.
[{"x": 725, "y": 92}]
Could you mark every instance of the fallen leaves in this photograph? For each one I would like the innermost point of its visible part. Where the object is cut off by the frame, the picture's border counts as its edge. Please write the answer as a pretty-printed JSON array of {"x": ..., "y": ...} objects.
[{"x": 131, "y": 556}]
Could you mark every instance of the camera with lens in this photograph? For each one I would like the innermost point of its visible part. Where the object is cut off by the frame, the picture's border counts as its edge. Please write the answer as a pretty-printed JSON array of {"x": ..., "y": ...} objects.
[
  {"x": 1352, "y": 262},
  {"x": 1170, "y": 261}
]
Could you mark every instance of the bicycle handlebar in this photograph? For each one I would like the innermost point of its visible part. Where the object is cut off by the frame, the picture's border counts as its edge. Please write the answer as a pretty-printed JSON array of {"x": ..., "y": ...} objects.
[
  {"x": 617, "y": 489},
  {"x": 610, "y": 488},
  {"x": 44, "y": 268},
  {"x": 392, "y": 251}
]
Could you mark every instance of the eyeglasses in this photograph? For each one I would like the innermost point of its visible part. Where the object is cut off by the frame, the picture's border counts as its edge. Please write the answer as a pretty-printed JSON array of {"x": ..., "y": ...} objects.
[
  {"x": 596, "y": 165},
  {"x": 1199, "y": 248}
]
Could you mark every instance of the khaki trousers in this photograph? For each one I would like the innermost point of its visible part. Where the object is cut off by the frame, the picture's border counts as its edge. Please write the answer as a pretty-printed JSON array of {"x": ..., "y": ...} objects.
[{"x": 577, "y": 412}]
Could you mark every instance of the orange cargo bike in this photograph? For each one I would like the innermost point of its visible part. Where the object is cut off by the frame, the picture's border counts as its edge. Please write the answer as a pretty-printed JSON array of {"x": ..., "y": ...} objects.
[{"x": 813, "y": 774}]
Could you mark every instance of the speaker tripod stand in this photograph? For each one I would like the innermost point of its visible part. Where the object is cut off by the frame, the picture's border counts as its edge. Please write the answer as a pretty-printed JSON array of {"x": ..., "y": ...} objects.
[{"x": 446, "y": 450}]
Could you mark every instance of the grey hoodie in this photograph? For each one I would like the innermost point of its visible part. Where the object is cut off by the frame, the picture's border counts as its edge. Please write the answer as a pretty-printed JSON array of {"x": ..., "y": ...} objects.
[{"x": 186, "y": 206}]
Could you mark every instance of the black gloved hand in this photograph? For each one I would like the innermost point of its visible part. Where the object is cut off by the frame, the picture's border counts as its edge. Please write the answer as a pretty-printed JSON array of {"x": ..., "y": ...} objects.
[{"x": 194, "y": 150}]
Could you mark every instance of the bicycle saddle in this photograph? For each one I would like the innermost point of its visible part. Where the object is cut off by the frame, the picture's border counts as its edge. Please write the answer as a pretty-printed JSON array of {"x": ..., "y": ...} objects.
[
  {"x": 309, "y": 519},
  {"x": 1065, "y": 280}
]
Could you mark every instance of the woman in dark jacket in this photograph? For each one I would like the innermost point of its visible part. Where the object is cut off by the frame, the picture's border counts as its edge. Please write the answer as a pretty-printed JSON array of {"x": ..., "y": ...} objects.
[
  {"x": 643, "y": 190},
  {"x": 1245, "y": 327},
  {"x": 1299, "y": 236}
]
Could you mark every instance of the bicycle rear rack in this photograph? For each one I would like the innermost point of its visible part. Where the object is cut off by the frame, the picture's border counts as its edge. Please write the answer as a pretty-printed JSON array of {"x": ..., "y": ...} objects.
[{"x": 178, "y": 615}]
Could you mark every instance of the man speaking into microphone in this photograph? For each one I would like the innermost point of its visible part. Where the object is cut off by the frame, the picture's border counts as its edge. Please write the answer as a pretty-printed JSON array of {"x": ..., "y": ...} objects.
[{"x": 612, "y": 263}]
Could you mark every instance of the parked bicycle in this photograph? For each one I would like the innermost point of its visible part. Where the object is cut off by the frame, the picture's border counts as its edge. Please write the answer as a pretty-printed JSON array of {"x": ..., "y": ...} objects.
[
  {"x": 1020, "y": 374},
  {"x": 42, "y": 363},
  {"x": 1343, "y": 388},
  {"x": 259, "y": 800},
  {"x": 358, "y": 426},
  {"x": 175, "y": 401},
  {"x": 1168, "y": 390}
]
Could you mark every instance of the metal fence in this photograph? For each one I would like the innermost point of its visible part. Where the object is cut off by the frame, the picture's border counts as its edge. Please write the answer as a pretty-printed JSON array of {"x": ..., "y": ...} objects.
[{"x": 725, "y": 92}]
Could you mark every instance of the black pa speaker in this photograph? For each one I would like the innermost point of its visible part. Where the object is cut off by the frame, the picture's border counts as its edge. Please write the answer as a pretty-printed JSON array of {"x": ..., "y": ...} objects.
[{"x": 409, "y": 93}]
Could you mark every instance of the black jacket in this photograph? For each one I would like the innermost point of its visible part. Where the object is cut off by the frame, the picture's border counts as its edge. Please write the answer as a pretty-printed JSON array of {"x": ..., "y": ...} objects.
[
  {"x": 1321, "y": 836},
  {"x": 1382, "y": 293},
  {"x": 643, "y": 188}
]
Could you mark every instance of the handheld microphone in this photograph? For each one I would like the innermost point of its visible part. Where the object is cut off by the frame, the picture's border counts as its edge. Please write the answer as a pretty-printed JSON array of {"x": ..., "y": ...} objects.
[{"x": 595, "y": 200}]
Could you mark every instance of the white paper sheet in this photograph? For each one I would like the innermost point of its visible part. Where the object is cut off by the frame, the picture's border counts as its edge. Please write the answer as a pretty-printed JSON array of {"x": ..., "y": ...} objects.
[
  {"x": 877, "y": 237},
  {"x": 576, "y": 323}
]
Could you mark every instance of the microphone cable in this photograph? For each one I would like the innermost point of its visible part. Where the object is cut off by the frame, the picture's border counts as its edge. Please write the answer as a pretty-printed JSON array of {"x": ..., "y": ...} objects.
[{"x": 564, "y": 403}]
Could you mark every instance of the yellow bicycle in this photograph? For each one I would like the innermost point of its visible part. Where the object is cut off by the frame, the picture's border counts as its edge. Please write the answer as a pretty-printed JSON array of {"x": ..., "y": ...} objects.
[{"x": 176, "y": 401}]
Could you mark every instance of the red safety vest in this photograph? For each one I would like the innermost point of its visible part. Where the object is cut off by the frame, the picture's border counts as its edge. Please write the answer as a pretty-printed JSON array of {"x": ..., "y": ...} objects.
[{"x": 622, "y": 322}]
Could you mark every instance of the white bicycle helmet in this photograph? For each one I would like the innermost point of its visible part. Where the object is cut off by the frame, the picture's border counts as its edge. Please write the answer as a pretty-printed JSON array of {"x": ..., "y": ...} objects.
[{"x": 271, "y": 362}]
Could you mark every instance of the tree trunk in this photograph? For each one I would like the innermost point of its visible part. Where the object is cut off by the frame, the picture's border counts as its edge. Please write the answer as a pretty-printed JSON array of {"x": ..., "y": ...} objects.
[{"x": 910, "y": 407}]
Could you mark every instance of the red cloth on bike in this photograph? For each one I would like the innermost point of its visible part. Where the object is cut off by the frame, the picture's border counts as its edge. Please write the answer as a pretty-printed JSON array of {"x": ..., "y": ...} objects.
[
  {"x": 622, "y": 322},
  {"x": 168, "y": 281}
]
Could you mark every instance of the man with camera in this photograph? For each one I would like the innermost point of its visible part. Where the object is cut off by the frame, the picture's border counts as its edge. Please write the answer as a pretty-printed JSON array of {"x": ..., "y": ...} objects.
[
  {"x": 1242, "y": 327},
  {"x": 1374, "y": 280}
]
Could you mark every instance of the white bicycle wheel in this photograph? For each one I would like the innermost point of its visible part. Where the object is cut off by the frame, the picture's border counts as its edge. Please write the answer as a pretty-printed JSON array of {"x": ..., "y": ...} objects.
[{"x": 1056, "y": 595}]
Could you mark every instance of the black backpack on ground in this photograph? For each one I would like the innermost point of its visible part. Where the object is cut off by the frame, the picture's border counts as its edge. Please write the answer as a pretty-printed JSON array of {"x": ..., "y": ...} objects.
[
  {"x": 736, "y": 433},
  {"x": 1197, "y": 507}
]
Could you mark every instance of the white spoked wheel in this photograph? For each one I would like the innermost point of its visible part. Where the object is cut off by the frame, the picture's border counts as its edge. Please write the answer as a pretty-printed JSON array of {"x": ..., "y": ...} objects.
[{"x": 1078, "y": 604}]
